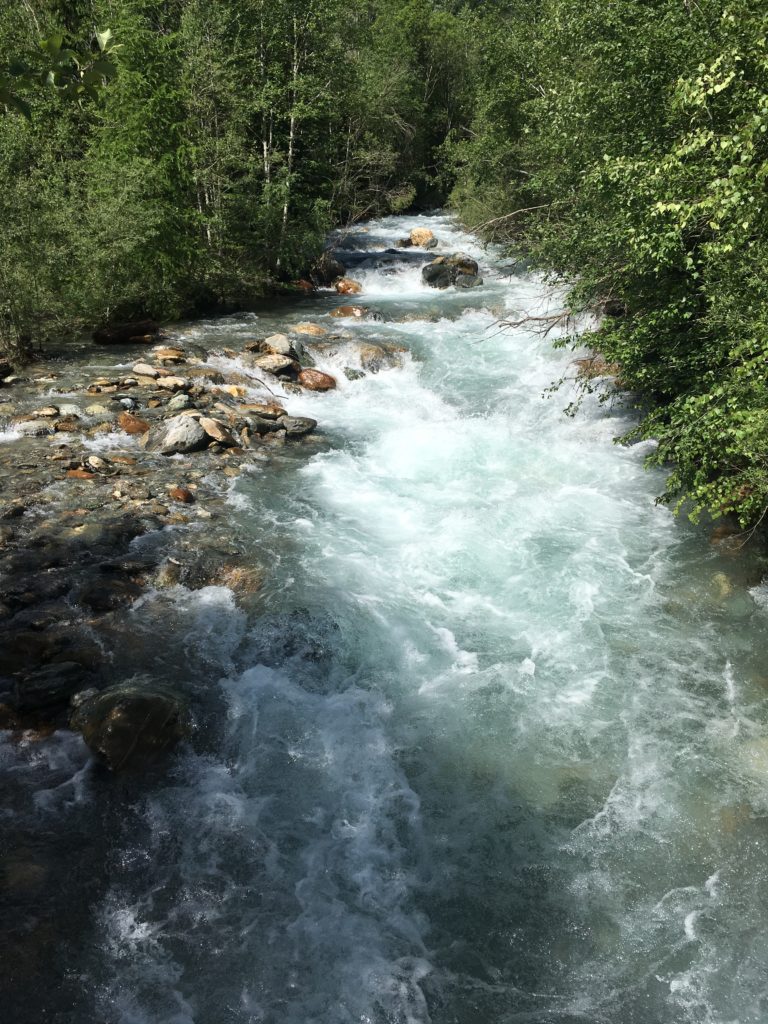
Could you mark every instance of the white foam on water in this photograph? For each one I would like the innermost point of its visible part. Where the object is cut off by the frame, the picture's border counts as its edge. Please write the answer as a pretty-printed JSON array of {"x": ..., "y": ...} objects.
[{"x": 478, "y": 759}]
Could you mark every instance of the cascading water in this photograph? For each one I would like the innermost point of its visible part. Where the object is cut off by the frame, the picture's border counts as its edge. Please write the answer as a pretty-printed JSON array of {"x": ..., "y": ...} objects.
[{"x": 497, "y": 749}]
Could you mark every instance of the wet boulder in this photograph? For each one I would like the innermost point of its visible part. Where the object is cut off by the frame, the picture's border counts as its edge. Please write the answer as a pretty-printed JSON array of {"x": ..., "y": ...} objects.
[
  {"x": 316, "y": 380},
  {"x": 272, "y": 363},
  {"x": 459, "y": 270},
  {"x": 277, "y": 345},
  {"x": 346, "y": 286},
  {"x": 129, "y": 725},
  {"x": 421, "y": 236},
  {"x": 437, "y": 275}
]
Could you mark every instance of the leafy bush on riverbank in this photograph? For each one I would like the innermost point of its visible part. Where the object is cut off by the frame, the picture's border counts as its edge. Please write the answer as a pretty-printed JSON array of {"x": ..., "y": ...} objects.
[{"x": 638, "y": 155}]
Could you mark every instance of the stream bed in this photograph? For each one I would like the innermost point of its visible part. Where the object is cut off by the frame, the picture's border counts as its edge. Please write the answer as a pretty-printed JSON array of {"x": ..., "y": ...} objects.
[{"x": 494, "y": 749}]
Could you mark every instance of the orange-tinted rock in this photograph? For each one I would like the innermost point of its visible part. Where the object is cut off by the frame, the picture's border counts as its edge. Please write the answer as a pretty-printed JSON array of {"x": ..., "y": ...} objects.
[
  {"x": 420, "y": 236},
  {"x": 346, "y": 286},
  {"x": 80, "y": 474},
  {"x": 316, "y": 380},
  {"x": 181, "y": 494},
  {"x": 315, "y": 329},
  {"x": 132, "y": 424},
  {"x": 168, "y": 354},
  {"x": 358, "y": 311}
]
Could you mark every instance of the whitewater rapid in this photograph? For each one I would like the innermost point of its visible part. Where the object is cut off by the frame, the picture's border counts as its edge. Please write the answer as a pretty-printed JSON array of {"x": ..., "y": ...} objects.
[{"x": 496, "y": 750}]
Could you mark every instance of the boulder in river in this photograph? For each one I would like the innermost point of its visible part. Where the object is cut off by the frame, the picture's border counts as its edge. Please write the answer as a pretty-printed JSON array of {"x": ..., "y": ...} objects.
[
  {"x": 346, "y": 286},
  {"x": 459, "y": 269},
  {"x": 272, "y": 363},
  {"x": 420, "y": 236},
  {"x": 277, "y": 344},
  {"x": 179, "y": 435},
  {"x": 316, "y": 380},
  {"x": 129, "y": 725}
]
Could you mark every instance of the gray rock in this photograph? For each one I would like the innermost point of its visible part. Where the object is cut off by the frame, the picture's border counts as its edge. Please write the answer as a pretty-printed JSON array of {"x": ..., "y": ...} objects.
[
  {"x": 468, "y": 281},
  {"x": 32, "y": 428},
  {"x": 278, "y": 344},
  {"x": 178, "y": 435},
  {"x": 296, "y": 426},
  {"x": 180, "y": 402}
]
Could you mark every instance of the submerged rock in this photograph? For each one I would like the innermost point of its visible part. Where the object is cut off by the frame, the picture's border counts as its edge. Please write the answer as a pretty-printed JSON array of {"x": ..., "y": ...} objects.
[{"x": 131, "y": 724}]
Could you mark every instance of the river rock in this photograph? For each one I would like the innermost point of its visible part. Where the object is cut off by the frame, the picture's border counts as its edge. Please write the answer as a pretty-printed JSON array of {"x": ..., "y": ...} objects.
[
  {"x": 33, "y": 428},
  {"x": 145, "y": 370},
  {"x": 277, "y": 344},
  {"x": 178, "y": 435},
  {"x": 169, "y": 354},
  {"x": 266, "y": 410},
  {"x": 316, "y": 380},
  {"x": 346, "y": 286},
  {"x": 182, "y": 494},
  {"x": 345, "y": 311},
  {"x": 129, "y": 725},
  {"x": 297, "y": 426},
  {"x": 273, "y": 363},
  {"x": 218, "y": 431},
  {"x": 447, "y": 270},
  {"x": 180, "y": 402},
  {"x": 172, "y": 383},
  {"x": 47, "y": 412},
  {"x": 308, "y": 328},
  {"x": 132, "y": 424},
  {"x": 420, "y": 236},
  {"x": 468, "y": 281}
]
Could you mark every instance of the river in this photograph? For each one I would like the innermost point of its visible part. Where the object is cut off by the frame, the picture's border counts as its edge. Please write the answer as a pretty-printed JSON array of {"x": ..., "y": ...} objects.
[{"x": 495, "y": 752}]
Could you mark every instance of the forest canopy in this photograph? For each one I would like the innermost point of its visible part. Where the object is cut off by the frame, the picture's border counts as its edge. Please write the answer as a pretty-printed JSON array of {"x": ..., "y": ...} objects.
[{"x": 622, "y": 147}]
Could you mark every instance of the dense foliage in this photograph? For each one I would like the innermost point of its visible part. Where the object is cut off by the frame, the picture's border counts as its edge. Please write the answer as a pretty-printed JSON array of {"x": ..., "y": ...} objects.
[
  {"x": 623, "y": 146},
  {"x": 634, "y": 139},
  {"x": 230, "y": 139}
]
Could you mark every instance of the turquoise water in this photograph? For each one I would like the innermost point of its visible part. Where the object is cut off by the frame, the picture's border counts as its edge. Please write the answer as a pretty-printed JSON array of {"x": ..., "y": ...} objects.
[{"x": 497, "y": 750}]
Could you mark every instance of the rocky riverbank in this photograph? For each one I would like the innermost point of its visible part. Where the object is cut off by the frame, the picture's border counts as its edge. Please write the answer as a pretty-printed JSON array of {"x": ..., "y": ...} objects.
[{"x": 116, "y": 464}]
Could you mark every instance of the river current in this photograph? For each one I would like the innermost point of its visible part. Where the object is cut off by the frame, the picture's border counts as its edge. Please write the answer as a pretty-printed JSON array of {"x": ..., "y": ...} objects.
[{"x": 495, "y": 752}]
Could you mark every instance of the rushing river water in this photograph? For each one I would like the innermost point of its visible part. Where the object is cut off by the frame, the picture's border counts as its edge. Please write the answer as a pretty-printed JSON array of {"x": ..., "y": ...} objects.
[{"x": 496, "y": 752}]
